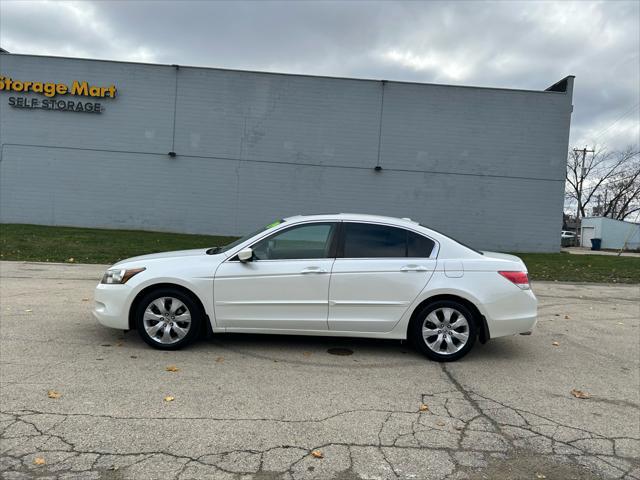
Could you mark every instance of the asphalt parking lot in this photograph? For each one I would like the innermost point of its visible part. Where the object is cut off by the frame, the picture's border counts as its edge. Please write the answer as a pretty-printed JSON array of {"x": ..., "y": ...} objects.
[{"x": 248, "y": 407}]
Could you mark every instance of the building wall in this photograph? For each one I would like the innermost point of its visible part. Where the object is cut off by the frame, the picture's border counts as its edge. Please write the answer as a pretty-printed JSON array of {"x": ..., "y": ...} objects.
[{"x": 483, "y": 165}]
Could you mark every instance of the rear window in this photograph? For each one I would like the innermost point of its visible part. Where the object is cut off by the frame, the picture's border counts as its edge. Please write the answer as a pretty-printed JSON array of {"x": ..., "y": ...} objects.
[{"x": 451, "y": 238}]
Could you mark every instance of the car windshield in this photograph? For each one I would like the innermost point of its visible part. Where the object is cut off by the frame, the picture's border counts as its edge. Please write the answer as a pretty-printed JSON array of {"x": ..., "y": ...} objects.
[{"x": 237, "y": 242}]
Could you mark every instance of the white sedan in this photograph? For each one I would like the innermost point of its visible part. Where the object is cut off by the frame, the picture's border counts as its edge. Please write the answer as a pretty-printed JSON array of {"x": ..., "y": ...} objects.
[{"x": 332, "y": 275}]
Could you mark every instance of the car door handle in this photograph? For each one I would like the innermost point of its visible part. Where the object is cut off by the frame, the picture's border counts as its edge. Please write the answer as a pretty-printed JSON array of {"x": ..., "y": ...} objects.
[
  {"x": 413, "y": 268},
  {"x": 313, "y": 270}
]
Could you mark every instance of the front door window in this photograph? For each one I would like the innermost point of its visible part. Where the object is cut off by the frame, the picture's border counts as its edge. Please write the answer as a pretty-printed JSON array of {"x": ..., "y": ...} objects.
[{"x": 296, "y": 243}]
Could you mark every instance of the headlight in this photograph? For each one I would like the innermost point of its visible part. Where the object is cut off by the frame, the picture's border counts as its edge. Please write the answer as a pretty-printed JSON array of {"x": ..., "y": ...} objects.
[{"x": 120, "y": 275}]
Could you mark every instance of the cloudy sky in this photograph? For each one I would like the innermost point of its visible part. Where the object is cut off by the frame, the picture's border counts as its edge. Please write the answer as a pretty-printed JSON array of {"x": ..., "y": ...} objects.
[{"x": 529, "y": 44}]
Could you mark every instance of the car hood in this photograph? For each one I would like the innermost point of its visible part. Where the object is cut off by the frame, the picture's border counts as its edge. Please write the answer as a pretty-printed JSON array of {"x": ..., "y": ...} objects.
[{"x": 164, "y": 255}]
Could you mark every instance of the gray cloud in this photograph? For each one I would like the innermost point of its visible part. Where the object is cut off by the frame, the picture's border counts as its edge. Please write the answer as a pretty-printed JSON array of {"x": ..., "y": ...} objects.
[{"x": 506, "y": 44}]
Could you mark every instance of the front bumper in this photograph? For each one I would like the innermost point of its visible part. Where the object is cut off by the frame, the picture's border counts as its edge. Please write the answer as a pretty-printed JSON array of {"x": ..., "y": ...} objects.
[{"x": 112, "y": 306}]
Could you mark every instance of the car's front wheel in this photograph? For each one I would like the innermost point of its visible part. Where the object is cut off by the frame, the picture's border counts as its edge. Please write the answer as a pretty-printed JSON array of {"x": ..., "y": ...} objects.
[
  {"x": 168, "y": 319},
  {"x": 444, "y": 330}
]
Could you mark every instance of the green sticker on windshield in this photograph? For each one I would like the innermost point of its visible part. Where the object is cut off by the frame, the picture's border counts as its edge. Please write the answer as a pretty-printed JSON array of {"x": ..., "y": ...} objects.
[{"x": 274, "y": 224}]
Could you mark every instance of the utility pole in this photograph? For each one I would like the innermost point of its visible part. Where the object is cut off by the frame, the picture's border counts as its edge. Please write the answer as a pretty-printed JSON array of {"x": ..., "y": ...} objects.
[
  {"x": 584, "y": 156},
  {"x": 584, "y": 152}
]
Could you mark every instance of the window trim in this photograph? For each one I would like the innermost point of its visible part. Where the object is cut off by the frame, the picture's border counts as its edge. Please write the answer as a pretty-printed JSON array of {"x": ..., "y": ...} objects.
[
  {"x": 334, "y": 233},
  {"x": 340, "y": 249}
]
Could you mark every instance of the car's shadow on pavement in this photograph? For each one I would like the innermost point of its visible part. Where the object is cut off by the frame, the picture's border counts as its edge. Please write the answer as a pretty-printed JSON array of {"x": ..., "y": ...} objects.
[
  {"x": 314, "y": 349},
  {"x": 364, "y": 350}
]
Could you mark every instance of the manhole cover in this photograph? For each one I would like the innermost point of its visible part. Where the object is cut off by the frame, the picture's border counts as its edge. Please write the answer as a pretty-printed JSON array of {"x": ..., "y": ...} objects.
[{"x": 340, "y": 351}]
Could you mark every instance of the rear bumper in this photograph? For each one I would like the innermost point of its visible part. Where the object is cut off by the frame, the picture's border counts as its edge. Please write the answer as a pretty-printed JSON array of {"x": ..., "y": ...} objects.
[
  {"x": 512, "y": 326},
  {"x": 512, "y": 314},
  {"x": 111, "y": 306}
]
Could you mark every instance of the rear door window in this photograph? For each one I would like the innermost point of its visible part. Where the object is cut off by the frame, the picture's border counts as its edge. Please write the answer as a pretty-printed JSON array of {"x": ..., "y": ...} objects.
[{"x": 365, "y": 240}]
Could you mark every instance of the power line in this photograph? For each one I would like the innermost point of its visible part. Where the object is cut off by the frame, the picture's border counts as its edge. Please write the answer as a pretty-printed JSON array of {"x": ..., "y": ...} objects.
[
  {"x": 617, "y": 120},
  {"x": 611, "y": 137}
]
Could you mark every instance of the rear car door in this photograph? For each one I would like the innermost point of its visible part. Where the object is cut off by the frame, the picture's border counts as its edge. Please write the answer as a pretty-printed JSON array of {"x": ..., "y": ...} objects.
[
  {"x": 379, "y": 271},
  {"x": 285, "y": 286}
]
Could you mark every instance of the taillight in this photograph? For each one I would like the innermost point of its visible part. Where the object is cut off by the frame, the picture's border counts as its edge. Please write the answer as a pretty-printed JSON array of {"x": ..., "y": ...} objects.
[{"x": 521, "y": 279}]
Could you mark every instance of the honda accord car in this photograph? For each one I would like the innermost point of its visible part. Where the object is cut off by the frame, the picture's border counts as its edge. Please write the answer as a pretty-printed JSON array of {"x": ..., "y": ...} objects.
[{"x": 332, "y": 275}]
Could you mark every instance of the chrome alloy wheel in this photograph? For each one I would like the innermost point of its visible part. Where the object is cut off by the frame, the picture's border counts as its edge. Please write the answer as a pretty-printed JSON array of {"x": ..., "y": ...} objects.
[
  {"x": 167, "y": 320},
  {"x": 445, "y": 331}
]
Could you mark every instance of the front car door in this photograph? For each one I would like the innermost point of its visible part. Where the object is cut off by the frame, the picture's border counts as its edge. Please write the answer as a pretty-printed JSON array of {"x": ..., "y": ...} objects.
[
  {"x": 379, "y": 272},
  {"x": 286, "y": 284}
]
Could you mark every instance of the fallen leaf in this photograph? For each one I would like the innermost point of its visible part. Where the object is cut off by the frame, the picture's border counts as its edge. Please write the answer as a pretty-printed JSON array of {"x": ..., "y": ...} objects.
[
  {"x": 579, "y": 393},
  {"x": 219, "y": 359},
  {"x": 424, "y": 408},
  {"x": 39, "y": 461},
  {"x": 172, "y": 368},
  {"x": 169, "y": 398},
  {"x": 317, "y": 454},
  {"x": 566, "y": 317},
  {"x": 53, "y": 394},
  {"x": 555, "y": 344},
  {"x": 440, "y": 423}
]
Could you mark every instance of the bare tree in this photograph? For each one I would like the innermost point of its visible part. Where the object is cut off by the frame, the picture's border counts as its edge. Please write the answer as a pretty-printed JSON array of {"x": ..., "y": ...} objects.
[
  {"x": 622, "y": 192},
  {"x": 591, "y": 172}
]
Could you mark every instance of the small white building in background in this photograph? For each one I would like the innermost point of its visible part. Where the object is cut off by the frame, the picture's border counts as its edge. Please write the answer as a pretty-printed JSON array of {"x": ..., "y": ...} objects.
[{"x": 615, "y": 234}]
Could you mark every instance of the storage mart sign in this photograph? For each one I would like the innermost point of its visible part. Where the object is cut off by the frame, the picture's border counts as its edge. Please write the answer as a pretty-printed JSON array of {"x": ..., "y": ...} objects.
[{"x": 51, "y": 89}]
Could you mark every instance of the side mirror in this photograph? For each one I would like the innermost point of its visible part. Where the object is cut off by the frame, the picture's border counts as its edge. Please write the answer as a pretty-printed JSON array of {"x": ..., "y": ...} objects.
[{"x": 245, "y": 255}]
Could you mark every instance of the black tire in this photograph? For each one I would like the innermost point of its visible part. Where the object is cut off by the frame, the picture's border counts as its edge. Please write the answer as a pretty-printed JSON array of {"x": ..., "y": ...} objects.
[
  {"x": 194, "y": 309},
  {"x": 416, "y": 336}
]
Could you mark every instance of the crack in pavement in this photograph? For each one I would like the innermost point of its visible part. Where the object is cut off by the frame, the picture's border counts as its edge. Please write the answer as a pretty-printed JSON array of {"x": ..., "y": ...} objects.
[{"x": 460, "y": 433}]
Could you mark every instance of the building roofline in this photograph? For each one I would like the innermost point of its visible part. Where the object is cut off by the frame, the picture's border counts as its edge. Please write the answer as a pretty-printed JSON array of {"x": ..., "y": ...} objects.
[
  {"x": 561, "y": 85},
  {"x": 329, "y": 77},
  {"x": 611, "y": 219}
]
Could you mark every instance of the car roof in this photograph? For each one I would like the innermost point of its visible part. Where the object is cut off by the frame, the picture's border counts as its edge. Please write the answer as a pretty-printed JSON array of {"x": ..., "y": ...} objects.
[
  {"x": 448, "y": 248},
  {"x": 354, "y": 216}
]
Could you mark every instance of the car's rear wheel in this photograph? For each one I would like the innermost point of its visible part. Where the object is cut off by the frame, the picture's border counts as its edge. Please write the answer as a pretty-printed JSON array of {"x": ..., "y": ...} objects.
[
  {"x": 168, "y": 319},
  {"x": 444, "y": 330}
]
